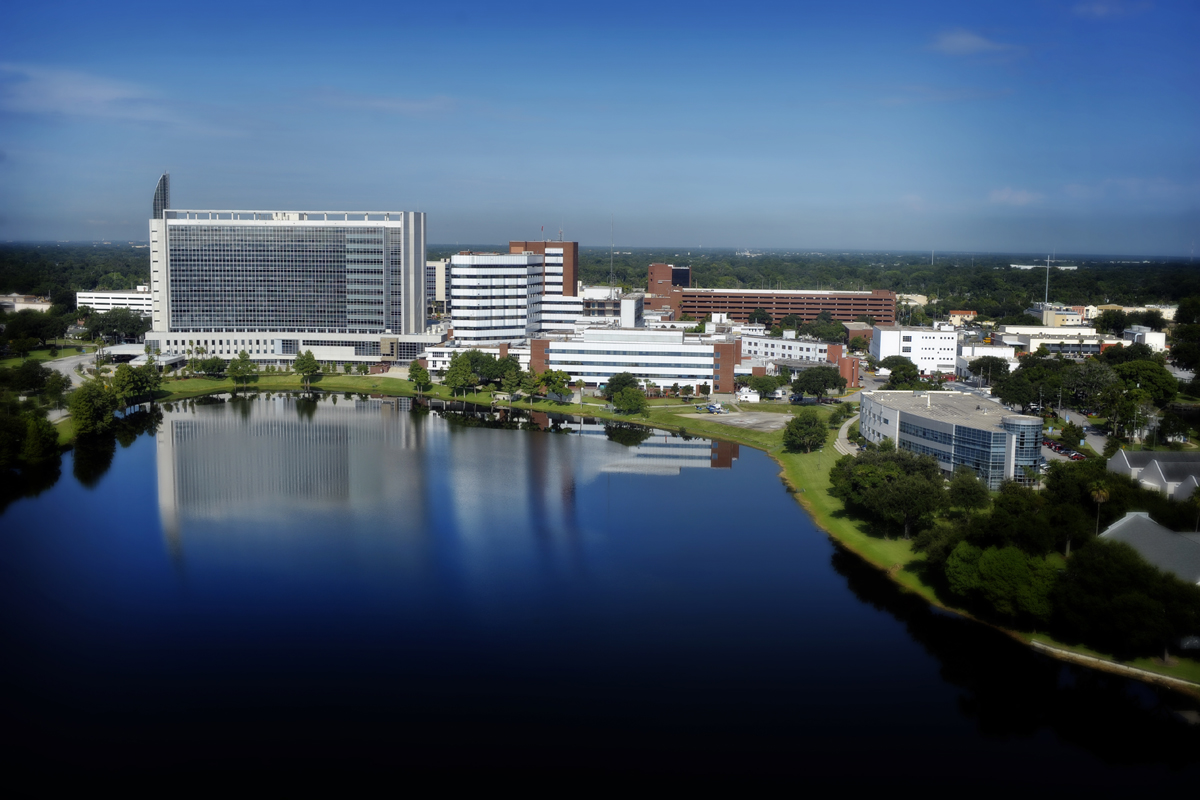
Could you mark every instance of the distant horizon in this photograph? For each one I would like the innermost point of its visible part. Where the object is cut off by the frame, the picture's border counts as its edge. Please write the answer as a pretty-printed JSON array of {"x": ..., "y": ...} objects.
[{"x": 827, "y": 251}]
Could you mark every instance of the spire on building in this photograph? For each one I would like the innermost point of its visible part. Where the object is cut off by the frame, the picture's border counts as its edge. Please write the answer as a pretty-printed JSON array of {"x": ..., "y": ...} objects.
[{"x": 162, "y": 195}]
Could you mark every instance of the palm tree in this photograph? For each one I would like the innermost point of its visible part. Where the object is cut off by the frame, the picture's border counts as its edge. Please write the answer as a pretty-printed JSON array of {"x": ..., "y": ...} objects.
[{"x": 1100, "y": 495}]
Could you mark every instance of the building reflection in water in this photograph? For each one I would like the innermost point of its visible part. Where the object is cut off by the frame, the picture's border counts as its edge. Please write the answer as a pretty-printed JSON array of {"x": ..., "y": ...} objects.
[{"x": 257, "y": 477}]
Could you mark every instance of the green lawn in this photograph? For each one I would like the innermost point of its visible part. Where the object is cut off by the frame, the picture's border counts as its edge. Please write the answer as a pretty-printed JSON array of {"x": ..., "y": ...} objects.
[
  {"x": 41, "y": 354},
  {"x": 66, "y": 431}
]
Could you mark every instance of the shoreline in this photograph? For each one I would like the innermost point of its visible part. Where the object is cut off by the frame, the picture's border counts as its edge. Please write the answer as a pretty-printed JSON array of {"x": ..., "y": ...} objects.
[{"x": 789, "y": 473}]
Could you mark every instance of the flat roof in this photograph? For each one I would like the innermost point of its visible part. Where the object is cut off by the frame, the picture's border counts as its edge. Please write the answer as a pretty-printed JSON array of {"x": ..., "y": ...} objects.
[
  {"x": 955, "y": 407},
  {"x": 825, "y": 292}
]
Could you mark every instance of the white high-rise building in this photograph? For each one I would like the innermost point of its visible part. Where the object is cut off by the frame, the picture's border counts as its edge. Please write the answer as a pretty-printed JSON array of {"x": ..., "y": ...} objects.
[
  {"x": 508, "y": 297},
  {"x": 490, "y": 296},
  {"x": 347, "y": 285}
]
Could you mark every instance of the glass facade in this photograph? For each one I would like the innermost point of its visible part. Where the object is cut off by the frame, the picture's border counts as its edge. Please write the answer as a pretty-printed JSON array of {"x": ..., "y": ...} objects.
[{"x": 327, "y": 277}]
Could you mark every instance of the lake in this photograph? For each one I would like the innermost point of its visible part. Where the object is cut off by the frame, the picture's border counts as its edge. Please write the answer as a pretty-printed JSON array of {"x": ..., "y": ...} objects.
[{"x": 349, "y": 582}]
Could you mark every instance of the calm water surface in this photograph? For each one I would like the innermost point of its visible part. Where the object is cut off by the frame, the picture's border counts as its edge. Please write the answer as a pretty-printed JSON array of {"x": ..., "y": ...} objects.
[{"x": 281, "y": 581}]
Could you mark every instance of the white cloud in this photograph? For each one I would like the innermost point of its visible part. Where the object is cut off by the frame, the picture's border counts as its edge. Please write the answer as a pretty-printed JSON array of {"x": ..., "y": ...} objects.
[
  {"x": 1013, "y": 197},
  {"x": 28, "y": 89},
  {"x": 961, "y": 42}
]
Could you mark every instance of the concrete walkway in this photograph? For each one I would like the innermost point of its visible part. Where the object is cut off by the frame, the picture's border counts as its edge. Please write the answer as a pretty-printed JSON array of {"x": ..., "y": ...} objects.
[{"x": 843, "y": 444}]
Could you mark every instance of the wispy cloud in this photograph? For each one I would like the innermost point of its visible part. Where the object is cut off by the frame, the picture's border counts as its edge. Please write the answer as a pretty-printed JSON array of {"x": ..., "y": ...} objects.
[
  {"x": 435, "y": 106},
  {"x": 918, "y": 94},
  {"x": 1107, "y": 9},
  {"x": 28, "y": 89},
  {"x": 1013, "y": 197},
  {"x": 961, "y": 42}
]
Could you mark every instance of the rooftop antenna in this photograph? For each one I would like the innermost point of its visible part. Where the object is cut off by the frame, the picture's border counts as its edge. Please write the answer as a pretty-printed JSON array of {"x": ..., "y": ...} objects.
[
  {"x": 611, "y": 239},
  {"x": 1047, "y": 300}
]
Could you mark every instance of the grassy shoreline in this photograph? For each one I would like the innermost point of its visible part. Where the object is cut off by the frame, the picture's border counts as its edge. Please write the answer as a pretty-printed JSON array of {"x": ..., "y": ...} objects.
[{"x": 805, "y": 474}]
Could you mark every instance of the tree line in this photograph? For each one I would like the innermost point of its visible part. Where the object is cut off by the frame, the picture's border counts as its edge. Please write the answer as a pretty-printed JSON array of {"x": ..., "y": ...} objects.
[{"x": 1026, "y": 558}]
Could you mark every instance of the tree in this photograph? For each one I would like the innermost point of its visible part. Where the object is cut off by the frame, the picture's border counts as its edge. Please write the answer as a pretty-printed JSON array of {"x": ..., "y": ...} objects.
[
  {"x": 306, "y": 366},
  {"x": 556, "y": 382},
  {"x": 630, "y": 401},
  {"x": 904, "y": 372},
  {"x": 1150, "y": 377},
  {"x": 858, "y": 344},
  {"x": 1110, "y": 599},
  {"x": 763, "y": 384},
  {"x": 511, "y": 383},
  {"x": 23, "y": 346},
  {"x": 818, "y": 380},
  {"x": 1088, "y": 381},
  {"x": 1010, "y": 582},
  {"x": 1016, "y": 391},
  {"x": 241, "y": 368},
  {"x": 459, "y": 375},
  {"x": 1071, "y": 434},
  {"x": 92, "y": 407},
  {"x": 889, "y": 484},
  {"x": 579, "y": 386},
  {"x": 1112, "y": 321},
  {"x": 1100, "y": 496},
  {"x": 56, "y": 386},
  {"x": 805, "y": 431},
  {"x": 125, "y": 385},
  {"x": 41, "y": 440},
  {"x": 622, "y": 380},
  {"x": 531, "y": 382},
  {"x": 911, "y": 497},
  {"x": 760, "y": 316},
  {"x": 967, "y": 491},
  {"x": 990, "y": 367},
  {"x": 419, "y": 376}
]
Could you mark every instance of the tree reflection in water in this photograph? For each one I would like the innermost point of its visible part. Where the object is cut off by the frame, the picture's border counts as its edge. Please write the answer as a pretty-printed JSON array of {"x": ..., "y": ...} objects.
[{"x": 1013, "y": 691}]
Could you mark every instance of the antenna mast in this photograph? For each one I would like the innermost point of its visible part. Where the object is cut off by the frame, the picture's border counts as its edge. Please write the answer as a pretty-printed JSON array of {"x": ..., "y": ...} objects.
[
  {"x": 1047, "y": 300},
  {"x": 611, "y": 239}
]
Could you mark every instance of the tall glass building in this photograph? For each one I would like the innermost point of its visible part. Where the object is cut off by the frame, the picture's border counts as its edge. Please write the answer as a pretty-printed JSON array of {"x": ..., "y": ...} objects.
[
  {"x": 348, "y": 285},
  {"x": 956, "y": 429}
]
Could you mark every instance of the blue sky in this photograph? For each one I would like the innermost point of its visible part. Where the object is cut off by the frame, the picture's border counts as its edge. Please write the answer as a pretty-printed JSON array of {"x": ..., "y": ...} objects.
[{"x": 1018, "y": 126}]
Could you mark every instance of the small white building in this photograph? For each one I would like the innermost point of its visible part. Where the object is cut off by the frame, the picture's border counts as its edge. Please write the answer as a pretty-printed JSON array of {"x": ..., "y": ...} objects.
[
  {"x": 930, "y": 350},
  {"x": 969, "y": 352},
  {"x": 1140, "y": 334},
  {"x": 22, "y": 302}
]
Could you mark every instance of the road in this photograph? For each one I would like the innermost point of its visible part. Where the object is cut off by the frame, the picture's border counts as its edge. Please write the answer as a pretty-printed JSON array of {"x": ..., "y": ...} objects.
[{"x": 67, "y": 366}]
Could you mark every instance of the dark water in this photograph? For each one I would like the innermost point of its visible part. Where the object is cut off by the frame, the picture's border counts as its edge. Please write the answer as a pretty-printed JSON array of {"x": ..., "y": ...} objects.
[{"x": 288, "y": 584}]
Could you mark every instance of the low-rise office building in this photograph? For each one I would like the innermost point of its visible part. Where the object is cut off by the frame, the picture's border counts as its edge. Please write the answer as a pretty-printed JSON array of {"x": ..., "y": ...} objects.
[
  {"x": 956, "y": 429},
  {"x": 659, "y": 357},
  {"x": 930, "y": 350}
]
